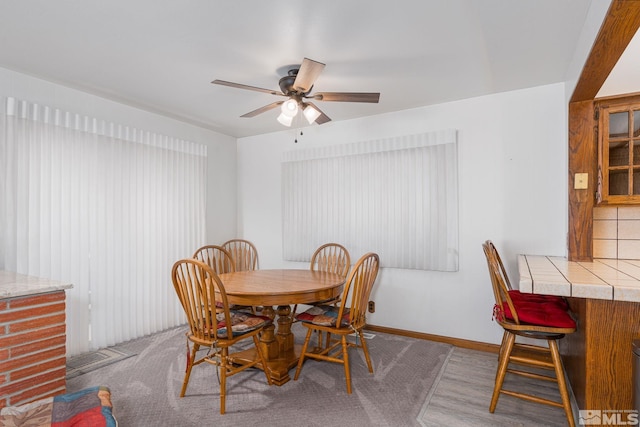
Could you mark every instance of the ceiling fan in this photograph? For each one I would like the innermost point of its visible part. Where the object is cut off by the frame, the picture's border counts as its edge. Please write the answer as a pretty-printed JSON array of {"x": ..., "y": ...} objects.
[{"x": 296, "y": 87}]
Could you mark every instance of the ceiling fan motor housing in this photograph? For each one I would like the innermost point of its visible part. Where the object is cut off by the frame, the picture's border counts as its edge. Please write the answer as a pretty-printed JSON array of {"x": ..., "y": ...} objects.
[{"x": 286, "y": 84}]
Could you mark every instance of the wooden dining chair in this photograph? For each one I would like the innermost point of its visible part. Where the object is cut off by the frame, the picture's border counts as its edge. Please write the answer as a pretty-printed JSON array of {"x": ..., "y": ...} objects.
[
  {"x": 245, "y": 258},
  {"x": 244, "y": 254},
  {"x": 198, "y": 288},
  {"x": 531, "y": 318},
  {"x": 332, "y": 258},
  {"x": 342, "y": 320}
]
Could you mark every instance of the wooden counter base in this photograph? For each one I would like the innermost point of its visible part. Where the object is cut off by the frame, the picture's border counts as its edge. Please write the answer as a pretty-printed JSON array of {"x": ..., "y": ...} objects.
[{"x": 606, "y": 330}]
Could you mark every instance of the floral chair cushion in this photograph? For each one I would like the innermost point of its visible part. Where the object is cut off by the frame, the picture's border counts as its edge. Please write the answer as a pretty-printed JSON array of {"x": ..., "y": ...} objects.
[
  {"x": 241, "y": 323},
  {"x": 324, "y": 315}
]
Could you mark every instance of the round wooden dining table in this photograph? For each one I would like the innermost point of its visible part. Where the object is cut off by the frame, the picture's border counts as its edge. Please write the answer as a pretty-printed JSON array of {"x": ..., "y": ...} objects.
[{"x": 279, "y": 288}]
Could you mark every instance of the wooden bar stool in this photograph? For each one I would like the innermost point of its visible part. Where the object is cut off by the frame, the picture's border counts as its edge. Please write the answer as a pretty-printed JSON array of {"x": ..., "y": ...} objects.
[{"x": 531, "y": 317}]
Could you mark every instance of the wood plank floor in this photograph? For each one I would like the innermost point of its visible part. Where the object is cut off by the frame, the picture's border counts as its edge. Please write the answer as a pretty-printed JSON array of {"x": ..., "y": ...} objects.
[{"x": 463, "y": 394}]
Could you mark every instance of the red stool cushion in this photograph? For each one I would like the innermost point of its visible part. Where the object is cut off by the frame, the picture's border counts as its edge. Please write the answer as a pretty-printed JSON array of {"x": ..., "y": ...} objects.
[
  {"x": 555, "y": 299},
  {"x": 540, "y": 314}
]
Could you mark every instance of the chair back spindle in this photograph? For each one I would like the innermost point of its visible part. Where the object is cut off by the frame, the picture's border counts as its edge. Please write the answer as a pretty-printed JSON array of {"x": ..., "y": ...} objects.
[
  {"x": 216, "y": 257},
  {"x": 503, "y": 271},
  {"x": 358, "y": 288},
  {"x": 500, "y": 288},
  {"x": 332, "y": 258},
  {"x": 244, "y": 254},
  {"x": 198, "y": 289}
]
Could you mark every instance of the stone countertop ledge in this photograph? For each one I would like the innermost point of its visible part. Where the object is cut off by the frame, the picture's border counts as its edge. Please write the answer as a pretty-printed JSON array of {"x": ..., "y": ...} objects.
[{"x": 16, "y": 285}]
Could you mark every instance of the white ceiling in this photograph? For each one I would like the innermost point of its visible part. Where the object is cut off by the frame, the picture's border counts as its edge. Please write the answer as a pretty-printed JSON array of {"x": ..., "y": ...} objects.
[{"x": 161, "y": 55}]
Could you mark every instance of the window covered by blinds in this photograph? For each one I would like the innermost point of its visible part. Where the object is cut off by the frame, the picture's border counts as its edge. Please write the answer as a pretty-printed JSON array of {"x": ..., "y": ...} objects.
[
  {"x": 397, "y": 197},
  {"x": 105, "y": 207}
]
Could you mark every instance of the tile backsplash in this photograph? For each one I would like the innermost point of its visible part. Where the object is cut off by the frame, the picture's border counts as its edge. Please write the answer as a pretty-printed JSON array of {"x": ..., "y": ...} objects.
[{"x": 616, "y": 232}]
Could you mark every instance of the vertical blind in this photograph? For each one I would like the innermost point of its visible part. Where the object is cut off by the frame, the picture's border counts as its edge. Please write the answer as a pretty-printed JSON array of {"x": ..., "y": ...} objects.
[
  {"x": 396, "y": 196},
  {"x": 105, "y": 207}
]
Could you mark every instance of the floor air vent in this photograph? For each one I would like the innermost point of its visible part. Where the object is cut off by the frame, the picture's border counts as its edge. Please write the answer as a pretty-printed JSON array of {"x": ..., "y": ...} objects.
[{"x": 83, "y": 363}]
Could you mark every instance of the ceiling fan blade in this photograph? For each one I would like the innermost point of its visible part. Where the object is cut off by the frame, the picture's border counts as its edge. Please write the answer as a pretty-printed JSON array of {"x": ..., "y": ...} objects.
[
  {"x": 262, "y": 109},
  {"x": 322, "y": 118},
  {"x": 307, "y": 75},
  {"x": 347, "y": 96},
  {"x": 247, "y": 87}
]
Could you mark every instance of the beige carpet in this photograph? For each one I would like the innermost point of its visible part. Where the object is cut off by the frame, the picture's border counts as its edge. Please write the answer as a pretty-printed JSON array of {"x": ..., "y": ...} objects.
[{"x": 145, "y": 387}]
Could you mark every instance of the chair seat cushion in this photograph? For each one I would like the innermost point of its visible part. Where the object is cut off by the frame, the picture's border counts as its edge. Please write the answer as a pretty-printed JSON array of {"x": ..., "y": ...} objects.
[
  {"x": 241, "y": 323},
  {"x": 235, "y": 307},
  {"x": 324, "y": 315},
  {"x": 326, "y": 301},
  {"x": 539, "y": 314},
  {"x": 554, "y": 299}
]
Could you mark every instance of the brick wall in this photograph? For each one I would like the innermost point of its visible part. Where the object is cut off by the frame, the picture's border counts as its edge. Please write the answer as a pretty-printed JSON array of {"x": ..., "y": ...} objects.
[{"x": 32, "y": 348}]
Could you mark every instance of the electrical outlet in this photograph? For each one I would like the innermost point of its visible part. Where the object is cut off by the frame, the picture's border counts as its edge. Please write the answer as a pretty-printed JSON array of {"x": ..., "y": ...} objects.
[{"x": 372, "y": 306}]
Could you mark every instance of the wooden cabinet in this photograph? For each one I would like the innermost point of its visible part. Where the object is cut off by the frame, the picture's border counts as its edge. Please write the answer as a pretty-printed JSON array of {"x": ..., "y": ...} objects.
[{"x": 618, "y": 133}]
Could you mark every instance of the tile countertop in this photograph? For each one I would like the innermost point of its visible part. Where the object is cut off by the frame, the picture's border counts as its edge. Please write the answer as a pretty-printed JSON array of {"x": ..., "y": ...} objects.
[
  {"x": 15, "y": 285},
  {"x": 608, "y": 279}
]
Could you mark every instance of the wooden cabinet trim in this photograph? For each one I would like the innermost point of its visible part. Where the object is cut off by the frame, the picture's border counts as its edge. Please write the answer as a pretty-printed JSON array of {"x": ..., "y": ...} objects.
[{"x": 618, "y": 28}]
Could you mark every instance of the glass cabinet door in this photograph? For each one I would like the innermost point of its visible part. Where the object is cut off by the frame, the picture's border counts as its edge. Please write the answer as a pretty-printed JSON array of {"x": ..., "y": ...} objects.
[{"x": 620, "y": 154}]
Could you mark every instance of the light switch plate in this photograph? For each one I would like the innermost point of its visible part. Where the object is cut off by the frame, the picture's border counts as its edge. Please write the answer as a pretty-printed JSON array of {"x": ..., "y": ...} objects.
[{"x": 581, "y": 181}]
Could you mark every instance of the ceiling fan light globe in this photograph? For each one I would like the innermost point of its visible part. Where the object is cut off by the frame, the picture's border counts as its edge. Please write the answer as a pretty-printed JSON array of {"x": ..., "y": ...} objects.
[
  {"x": 290, "y": 107},
  {"x": 285, "y": 120},
  {"x": 310, "y": 113}
]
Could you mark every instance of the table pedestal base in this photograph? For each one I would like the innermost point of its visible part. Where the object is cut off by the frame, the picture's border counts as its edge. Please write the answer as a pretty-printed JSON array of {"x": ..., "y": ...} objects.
[
  {"x": 278, "y": 368},
  {"x": 278, "y": 347}
]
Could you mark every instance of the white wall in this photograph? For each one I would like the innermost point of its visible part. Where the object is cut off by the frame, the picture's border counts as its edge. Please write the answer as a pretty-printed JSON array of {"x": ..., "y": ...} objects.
[
  {"x": 221, "y": 217},
  {"x": 513, "y": 183},
  {"x": 513, "y": 190}
]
